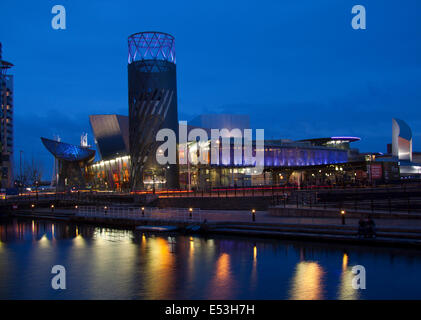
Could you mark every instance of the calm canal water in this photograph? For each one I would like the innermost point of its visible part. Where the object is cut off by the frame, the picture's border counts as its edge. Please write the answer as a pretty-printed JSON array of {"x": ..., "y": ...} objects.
[{"x": 104, "y": 263}]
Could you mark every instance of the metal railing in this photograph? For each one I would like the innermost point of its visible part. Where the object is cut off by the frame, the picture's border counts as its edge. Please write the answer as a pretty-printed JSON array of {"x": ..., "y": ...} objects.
[{"x": 138, "y": 213}]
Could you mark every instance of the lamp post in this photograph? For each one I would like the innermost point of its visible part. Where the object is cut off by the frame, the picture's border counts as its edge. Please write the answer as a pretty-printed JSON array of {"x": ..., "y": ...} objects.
[
  {"x": 253, "y": 215},
  {"x": 190, "y": 213},
  {"x": 52, "y": 208},
  {"x": 343, "y": 212},
  {"x": 143, "y": 211},
  {"x": 36, "y": 189},
  {"x": 188, "y": 168},
  {"x": 20, "y": 170}
]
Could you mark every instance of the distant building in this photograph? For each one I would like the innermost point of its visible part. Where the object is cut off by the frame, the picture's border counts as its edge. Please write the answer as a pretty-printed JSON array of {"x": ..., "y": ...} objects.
[
  {"x": 72, "y": 160},
  {"x": 400, "y": 161},
  {"x": 6, "y": 123},
  {"x": 401, "y": 140}
]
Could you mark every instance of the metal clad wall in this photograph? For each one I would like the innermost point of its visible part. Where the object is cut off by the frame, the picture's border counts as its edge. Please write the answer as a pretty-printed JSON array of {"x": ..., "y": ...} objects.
[{"x": 152, "y": 106}]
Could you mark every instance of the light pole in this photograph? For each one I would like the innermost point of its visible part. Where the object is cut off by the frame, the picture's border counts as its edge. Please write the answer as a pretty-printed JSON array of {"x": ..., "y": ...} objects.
[
  {"x": 20, "y": 171},
  {"x": 188, "y": 167},
  {"x": 36, "y": 189},
  {"x": 343, "y": 212}
]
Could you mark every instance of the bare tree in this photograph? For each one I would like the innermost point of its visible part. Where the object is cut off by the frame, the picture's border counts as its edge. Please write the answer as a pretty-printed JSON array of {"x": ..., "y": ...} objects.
[{"x": 32, "y": 172}]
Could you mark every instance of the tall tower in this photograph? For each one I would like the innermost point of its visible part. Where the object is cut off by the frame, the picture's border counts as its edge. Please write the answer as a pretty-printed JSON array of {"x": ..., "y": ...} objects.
[
  {"x": 6, "y": 123},
  {"x": 152, "y": 106}
]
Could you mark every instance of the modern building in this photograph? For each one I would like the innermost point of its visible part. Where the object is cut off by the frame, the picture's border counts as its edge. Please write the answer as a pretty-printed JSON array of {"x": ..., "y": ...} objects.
[
  {"x": 401, "y": 140},
  {"x": 127, "y": 145},
  {"x": 6, "y": 124},
  {"x": 152, "y": 105},
  {"x": 400, "y": 160},
  {"x": 318, "y": 161},
  {"x": 111, "y": 132},
  {"x": 285, "y": 162},
  {"x": 72, "y": 163}
]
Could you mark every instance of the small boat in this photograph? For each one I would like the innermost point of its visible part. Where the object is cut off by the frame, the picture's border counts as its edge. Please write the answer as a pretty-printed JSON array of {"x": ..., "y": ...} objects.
[{"x": 157, "y": 228}]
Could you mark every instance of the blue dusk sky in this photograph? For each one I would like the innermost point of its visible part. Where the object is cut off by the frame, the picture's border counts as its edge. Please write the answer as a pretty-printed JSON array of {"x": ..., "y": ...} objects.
[{"x": 295, "y": 66}]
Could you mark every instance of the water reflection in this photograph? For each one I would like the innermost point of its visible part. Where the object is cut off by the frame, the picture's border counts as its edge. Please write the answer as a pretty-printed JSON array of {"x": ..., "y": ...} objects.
[
  {"x": 221, "y": 284},
  {"x": 307, "y": 282},
  {"x": 346, "y": 291},
  {"x": 159, "y": 267},
  {"x": 253, "y": 278},
  {"x": 104, "y": 263}
]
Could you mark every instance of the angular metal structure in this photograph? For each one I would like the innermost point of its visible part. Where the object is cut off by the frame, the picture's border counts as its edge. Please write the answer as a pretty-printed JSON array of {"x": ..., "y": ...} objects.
[
  {"x": 72, "y": 163},
  {"x": 152, "y": 104},
  {"x": 111, "y": 133},
  {"x": 401, "y": 140}
]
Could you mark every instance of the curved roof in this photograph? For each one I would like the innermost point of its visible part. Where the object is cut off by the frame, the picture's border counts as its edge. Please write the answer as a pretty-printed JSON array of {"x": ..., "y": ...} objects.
[
  {"x": 68, "y": 152},
  {"x": 404, "y": 130},
  {"x": 325, "y": 140}
]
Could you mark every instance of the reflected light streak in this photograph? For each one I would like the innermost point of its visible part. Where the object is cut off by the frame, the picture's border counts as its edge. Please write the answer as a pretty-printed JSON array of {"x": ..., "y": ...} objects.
[
  {"x": 253, "y": 278},
  {"x": 345, "y": 290},
  {"x": 344, "y": 262},
  {"x": 78, "y": 241},
  {"x": 191, "y": 246},
  {"x": 221, "y": 284},
  {"x": 160, "y": 268},
  {"x": 307, "y": 283},
  {"x": 190, "y": 262},
  {"x": 43, "y": 241}
]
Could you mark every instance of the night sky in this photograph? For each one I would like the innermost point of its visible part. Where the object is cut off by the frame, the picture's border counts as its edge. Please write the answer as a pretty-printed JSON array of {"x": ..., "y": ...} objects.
[{"x": 295, "y": 66}]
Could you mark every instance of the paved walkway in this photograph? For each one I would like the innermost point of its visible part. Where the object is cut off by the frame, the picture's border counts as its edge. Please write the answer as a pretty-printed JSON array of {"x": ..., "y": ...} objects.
[{"x": 228, "y": 216}]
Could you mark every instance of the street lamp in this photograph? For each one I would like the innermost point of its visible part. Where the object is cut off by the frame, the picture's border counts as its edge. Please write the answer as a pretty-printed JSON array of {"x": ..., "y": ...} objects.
[
  {"x": 253, "y": 214},
  {"x": 190, "y": 212},
  {"x": 52, "y": 208},
  {"x": 36, "y": 189},
  {"x": 343, "y": 212},
  {"x": 143, "y": 211}
]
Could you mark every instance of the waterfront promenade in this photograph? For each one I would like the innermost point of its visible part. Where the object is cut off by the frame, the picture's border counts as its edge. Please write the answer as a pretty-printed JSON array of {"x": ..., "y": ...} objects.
[{"x": 390, "y": 232}]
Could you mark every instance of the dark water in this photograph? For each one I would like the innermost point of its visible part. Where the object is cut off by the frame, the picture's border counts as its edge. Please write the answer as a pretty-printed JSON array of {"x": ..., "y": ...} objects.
[{"x": 117, "y": 264}]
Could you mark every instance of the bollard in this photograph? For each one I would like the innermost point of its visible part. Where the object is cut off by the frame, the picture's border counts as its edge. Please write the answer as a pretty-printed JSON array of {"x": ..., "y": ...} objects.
[{"x": 253, "y": 215}]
